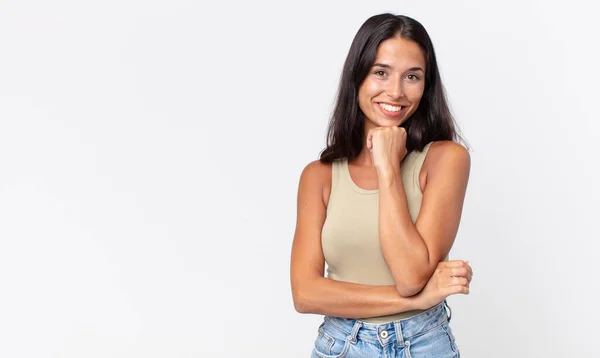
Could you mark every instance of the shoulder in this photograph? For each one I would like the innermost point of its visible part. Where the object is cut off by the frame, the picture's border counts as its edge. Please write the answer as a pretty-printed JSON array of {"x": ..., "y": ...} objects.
[
  {"x": 447, "y": 155},
  {"x": 447, "y": 164},
  {"x": 446, "y": 150},
  {"x": 316, "y": 176},
  {"x": 316, "y": 170}
]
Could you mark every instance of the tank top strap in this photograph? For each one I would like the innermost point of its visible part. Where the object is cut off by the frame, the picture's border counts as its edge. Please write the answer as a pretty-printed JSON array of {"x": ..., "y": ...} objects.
[{"x": 336, "y": 172}]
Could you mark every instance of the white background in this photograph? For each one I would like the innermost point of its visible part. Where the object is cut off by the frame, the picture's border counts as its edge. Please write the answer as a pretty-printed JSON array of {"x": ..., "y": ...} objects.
[{"x": 150, "y": 153}]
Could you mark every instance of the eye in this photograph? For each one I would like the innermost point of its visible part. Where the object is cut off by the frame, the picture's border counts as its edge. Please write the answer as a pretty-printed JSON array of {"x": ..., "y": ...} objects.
[
  {"x": 380, "y": 73},
  {"x": 413, "y": 77}
]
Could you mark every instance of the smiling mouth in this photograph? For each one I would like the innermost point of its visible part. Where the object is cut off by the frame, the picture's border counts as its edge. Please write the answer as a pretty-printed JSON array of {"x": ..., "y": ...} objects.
[{"x": 390, "y": 108}]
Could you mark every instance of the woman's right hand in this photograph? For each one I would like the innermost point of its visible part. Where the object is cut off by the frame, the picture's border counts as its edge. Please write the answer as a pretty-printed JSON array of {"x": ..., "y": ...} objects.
[{"x": 449, "y": 278}]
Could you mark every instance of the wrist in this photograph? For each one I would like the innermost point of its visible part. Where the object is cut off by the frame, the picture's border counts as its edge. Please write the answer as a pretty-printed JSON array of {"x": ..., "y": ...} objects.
[
  {"x": 418, "y": 303},
  {"x": 388, "y": 176}
]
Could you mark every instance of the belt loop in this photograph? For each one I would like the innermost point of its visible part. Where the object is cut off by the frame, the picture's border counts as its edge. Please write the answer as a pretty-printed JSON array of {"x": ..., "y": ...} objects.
[
  {"x": 449, "y": 313},
  {"x": 399, "y": 336},
  {"x": 354, "y": 333}
]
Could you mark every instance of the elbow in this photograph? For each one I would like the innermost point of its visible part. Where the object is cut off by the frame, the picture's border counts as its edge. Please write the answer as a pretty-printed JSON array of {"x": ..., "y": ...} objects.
[
  {"x": 300, "y": 307},
  {"x": 301, "y": 301},
  {"x": 307, "y": 296},
  {"x": 299, "y": 304},
  {"x": 409, "y": 289},
  {"x": 406, "y": 292}
]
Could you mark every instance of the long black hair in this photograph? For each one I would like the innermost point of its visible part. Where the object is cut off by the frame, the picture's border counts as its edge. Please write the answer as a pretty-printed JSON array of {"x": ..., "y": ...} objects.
[{"x": 432, "y": 121}]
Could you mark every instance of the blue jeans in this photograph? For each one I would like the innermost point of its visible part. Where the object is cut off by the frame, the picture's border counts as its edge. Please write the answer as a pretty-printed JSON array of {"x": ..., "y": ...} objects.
[{"x": 426, "y": 335}]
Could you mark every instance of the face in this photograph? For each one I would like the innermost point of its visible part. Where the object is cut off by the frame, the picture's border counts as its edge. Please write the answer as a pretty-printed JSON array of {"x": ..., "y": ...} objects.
[{"x": 393, "y": 88}]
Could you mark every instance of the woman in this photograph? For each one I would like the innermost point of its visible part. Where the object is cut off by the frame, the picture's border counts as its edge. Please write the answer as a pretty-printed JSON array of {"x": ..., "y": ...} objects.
[{"x": 382, "y": 206}]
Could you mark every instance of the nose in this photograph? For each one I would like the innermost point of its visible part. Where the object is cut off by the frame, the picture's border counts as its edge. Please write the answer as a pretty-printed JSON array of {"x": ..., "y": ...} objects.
[{"x": 394, "y": 89}]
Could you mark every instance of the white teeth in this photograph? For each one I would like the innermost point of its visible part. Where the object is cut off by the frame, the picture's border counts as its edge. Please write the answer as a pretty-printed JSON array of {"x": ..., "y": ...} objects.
[{"x": 390, "y": 108}]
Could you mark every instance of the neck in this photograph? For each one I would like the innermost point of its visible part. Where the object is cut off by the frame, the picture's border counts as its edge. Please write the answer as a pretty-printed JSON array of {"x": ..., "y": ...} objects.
[{"x": 364, "y": 158}]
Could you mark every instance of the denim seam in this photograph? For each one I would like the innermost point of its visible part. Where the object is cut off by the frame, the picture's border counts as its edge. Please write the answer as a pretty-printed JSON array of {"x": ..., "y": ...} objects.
[
  {"x": 407, "y": 351},
  {"x": 338, "y": 327},
  {"x": 399, "y": 334},
  {"x": 341, "y": 355},
  {"x": 427, "y": 330},
  {"x": 451, "y": 339},
  {"x": 331, "y": 342},
  {"x": 354, "y": 334},
  {"x": 348, "y": 333}
]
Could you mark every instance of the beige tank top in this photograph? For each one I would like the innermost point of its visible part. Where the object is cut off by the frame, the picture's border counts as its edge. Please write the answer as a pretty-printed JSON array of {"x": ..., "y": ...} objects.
[{"x": 350, "y": 235}]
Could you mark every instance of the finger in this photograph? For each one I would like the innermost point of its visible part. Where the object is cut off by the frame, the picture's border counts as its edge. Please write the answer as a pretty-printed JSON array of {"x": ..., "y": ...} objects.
[
  {"x": 458, "y": 290},
  {"x": 462, "y": 281},
  {"x": 459, "y": 272},
  {"x": 455, "y": 263},
  {"x": 469, "y": 267},
  {"x": 444, "y": 264}
]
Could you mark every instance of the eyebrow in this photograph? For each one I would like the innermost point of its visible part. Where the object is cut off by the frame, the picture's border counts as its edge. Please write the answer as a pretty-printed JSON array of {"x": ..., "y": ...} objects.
[{"x": 388, "y": 66}]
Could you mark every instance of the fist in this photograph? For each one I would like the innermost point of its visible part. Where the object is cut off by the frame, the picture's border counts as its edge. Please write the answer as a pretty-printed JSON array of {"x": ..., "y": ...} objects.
[{"x": 387, "y": 146}]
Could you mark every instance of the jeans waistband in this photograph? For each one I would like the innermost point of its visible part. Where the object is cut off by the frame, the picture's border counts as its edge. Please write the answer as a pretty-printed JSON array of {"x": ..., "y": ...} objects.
[{"x": 391, "y": 332}]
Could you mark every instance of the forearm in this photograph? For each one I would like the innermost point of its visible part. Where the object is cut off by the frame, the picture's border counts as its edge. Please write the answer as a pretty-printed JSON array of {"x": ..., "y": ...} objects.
[
  {"x": 349, "y": 300},
  {"x": 403, "y": 248}
]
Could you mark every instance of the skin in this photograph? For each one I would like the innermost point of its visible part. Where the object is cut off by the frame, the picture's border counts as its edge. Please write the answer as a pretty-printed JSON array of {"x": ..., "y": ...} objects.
[
  {"x": 378, "y": 166},
  {"x": 411, "y": 251}
]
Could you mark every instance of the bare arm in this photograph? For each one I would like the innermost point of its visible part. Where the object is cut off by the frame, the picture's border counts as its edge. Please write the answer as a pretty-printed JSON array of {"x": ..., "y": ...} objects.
[
  {"x": 313, "y": 293},
  {"x": 325, "y": 296},
  {"x": 413, "y": 251}
]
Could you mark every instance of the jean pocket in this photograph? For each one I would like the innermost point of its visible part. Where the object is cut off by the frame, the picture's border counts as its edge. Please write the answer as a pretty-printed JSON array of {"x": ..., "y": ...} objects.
[{"x": 327, "y": 346}]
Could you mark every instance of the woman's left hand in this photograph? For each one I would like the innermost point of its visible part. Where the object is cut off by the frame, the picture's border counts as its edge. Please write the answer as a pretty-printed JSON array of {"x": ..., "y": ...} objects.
[
  {"x": 449, "y": 278},
  {"x": 387, "y": 146}
]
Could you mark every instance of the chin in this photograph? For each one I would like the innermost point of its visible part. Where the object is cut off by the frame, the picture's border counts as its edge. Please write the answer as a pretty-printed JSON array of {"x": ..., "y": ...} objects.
[{"x": 390, "y": 123}]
